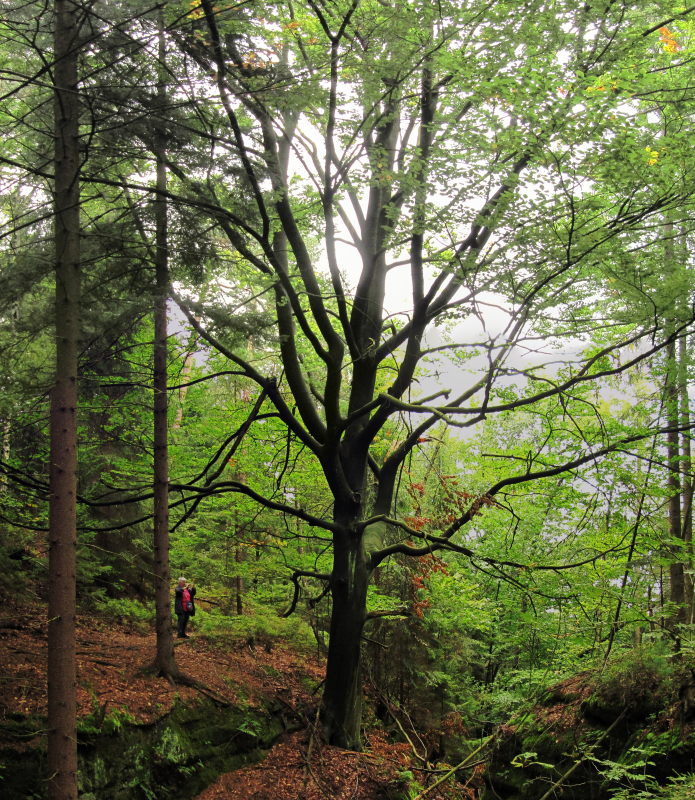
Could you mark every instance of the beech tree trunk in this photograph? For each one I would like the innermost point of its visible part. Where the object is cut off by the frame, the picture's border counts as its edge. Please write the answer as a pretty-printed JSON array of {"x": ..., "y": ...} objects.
[
  {"x": 62, "y": 741},
  {"x": 342, "y": 697},
  {"x": 165, "y": 663}
]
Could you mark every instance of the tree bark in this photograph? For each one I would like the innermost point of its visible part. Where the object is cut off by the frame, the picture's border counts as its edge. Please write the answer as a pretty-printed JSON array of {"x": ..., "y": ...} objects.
[
  {"x": 342, "y": 698},
  {"x": 671, "y": 404},
  {"x": 5, "y": 431},
  {"x": 239, "y": 582},
  {"x": 62, "y": 741},
  {"x": 686, "y": 479},
  {"x": 165, "y": 663},
  {"x": 676, "y": 569}
]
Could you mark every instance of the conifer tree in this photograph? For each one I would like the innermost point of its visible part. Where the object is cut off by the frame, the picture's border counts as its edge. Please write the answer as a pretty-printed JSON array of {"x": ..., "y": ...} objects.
[{"x": 62, "y": 683}]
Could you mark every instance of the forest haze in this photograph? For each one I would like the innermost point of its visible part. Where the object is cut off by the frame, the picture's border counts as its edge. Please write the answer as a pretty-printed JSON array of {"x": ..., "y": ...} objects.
[{"x": 372, "y": 318}]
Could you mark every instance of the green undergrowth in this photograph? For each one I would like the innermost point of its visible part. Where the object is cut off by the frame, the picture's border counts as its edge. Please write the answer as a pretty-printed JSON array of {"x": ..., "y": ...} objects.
[
  {"x": 125, "y": 610},
  {"x": 260, "y": 625},
  {"x": 619, "y": 731},
  {"x": 637, "y": 683},
  {"x": 100, "y": 720}
]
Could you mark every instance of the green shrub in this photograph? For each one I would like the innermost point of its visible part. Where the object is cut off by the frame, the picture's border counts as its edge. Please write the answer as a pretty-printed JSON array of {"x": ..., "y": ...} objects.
[
  {"x": 403, "y": 786},
  {"x": 680, "y": 787},
  {"x": 101, "y": 720},
  {"x": 638, "y": 682},
  {"x": 260, "y": 625},
  {"x": 126, "y": 609}
]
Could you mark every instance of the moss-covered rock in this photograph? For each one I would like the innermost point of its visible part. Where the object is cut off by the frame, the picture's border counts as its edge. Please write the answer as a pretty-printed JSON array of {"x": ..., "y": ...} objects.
[
  {"x": 176, "y": 757},
  {"x": 618, "y": 732},
  {"x": 636, "y": 685}
]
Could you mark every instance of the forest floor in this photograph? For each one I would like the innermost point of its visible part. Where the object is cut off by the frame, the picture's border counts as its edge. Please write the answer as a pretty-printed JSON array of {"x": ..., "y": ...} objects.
[{"x": 112, "y": 661}]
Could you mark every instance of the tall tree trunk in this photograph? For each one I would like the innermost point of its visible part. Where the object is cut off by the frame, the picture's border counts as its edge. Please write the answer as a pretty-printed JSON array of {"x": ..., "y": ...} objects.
[
  {"x": 342, "y": 698},
  {"x": 676, "y": 570},
  {"x": 164, "y": 660},
  {"x": 239, "y": 582},
  {"x": 62, "y": 739},
  {"x": 671, "y": 403},
  {"x": 5, "y": 431},
  {"x": 686, "y": 478}
]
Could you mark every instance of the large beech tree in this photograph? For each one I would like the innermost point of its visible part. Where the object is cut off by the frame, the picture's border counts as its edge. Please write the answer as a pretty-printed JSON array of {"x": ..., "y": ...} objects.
[{"x": 479, "y": 156}]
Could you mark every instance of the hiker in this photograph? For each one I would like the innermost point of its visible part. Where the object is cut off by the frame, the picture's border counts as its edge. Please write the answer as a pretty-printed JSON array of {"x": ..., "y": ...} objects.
[{"x": 183, "y": 606}]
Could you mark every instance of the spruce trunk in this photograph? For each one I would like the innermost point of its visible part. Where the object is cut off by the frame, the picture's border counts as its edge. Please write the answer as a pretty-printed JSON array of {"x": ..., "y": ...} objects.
[
  {"x": 164, "y": 663},
  {"x": 62, "y": 740}
]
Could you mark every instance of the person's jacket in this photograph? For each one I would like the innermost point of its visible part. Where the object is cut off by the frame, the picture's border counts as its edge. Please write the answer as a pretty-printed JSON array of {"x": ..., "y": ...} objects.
[{"x": 178, "y": 599}]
